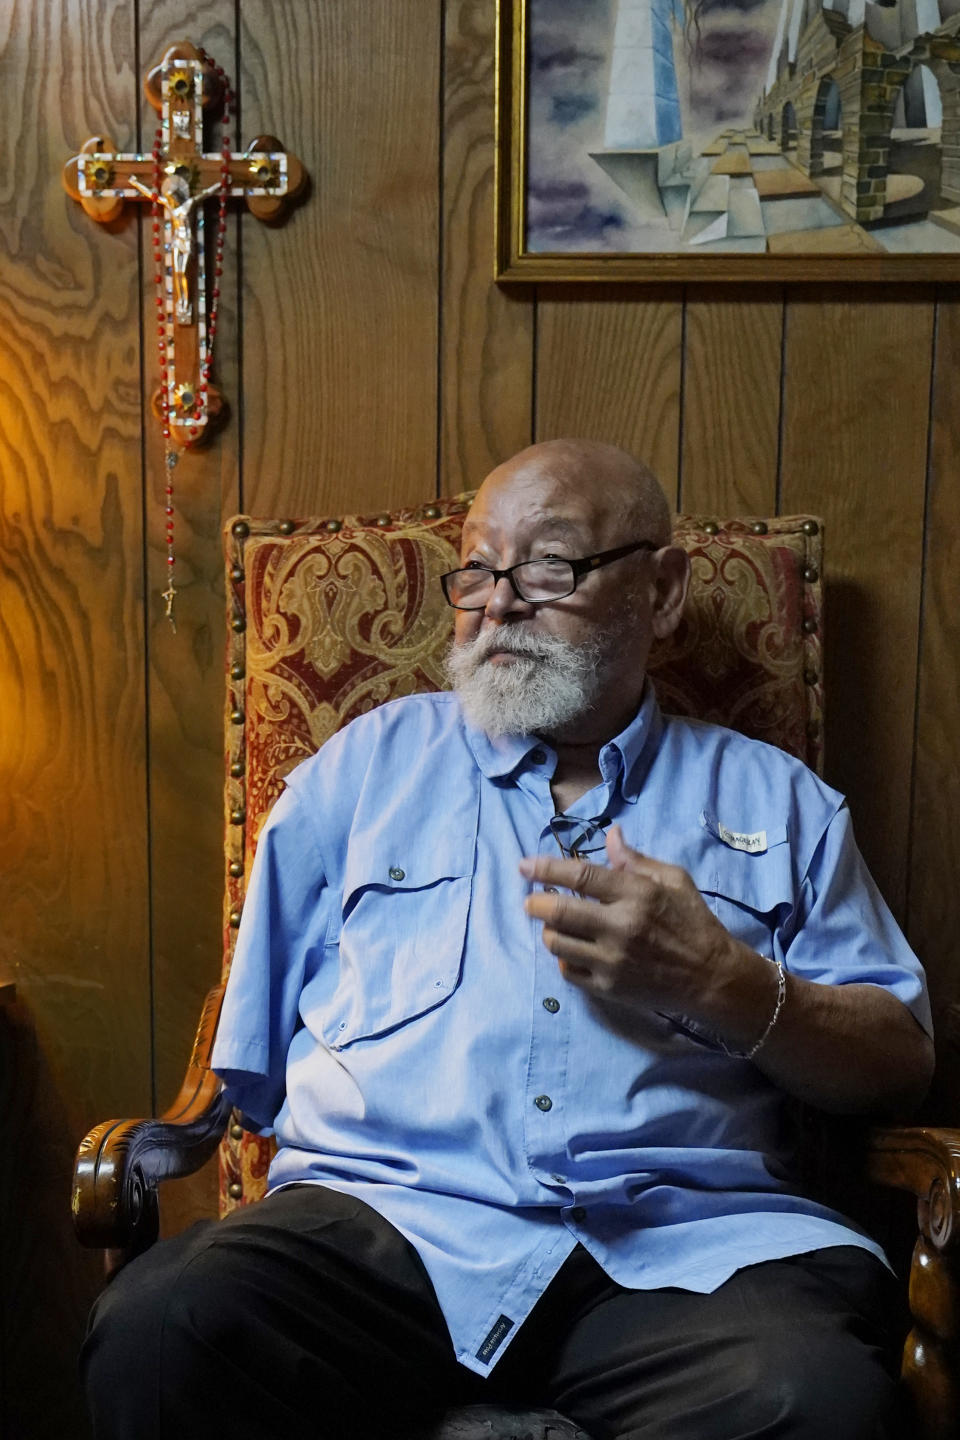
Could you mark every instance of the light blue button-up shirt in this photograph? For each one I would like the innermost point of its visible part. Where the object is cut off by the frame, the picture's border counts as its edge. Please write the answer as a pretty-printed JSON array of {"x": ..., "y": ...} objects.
[{"x": 395, "y": 1018}]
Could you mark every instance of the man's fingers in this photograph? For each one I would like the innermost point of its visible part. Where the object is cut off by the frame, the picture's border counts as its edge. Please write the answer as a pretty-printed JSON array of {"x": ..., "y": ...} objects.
[
  {"x": 618, "y": 851},
  {"x": 578, "y": 959},
  {"x": 577, "y": 974},
  {"x": 621, "y": 857},
  {"x": 597, "y": 881},
  {"x": 567, "y": 915}
]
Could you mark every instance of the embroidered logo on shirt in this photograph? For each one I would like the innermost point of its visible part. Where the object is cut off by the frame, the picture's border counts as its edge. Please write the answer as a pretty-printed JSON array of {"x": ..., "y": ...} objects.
[
  {"x": 754, "y": 844},
  {"x": 495, "y": 1338}
]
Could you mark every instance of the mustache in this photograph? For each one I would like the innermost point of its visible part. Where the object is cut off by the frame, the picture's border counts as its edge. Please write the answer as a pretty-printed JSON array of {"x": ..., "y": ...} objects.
[{"x": 511, "y": 642}]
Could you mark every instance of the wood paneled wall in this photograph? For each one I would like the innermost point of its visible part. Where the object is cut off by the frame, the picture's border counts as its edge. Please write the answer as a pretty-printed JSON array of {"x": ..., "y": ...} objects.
[{"x": 368, "y": 359}]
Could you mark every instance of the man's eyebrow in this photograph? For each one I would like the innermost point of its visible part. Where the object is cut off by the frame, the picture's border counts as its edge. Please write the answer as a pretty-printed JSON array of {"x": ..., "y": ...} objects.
[{"x": 557, "y": 525}]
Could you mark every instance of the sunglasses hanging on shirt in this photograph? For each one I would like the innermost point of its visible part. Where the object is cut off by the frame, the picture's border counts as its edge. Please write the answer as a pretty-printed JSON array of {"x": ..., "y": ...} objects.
[{"x": 577, "y": 838}]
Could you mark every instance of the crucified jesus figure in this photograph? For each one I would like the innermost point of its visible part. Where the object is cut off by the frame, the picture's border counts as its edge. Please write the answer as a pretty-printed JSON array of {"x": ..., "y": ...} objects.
[{"x": 174, "y": 195}]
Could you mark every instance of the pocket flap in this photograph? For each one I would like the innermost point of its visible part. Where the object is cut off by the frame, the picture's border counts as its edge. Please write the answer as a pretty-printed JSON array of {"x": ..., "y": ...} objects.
[{"x": 412, "y": 860}]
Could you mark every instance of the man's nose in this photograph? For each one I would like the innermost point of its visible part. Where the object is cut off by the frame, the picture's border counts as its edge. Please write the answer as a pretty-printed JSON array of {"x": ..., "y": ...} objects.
[{"x": 505, "y": 601}]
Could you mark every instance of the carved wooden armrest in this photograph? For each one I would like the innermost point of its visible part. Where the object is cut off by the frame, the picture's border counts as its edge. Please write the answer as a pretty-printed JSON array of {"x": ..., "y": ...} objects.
[
  {"x": 927, "y": 1163},
  {"x": 120, "y": 1163}
]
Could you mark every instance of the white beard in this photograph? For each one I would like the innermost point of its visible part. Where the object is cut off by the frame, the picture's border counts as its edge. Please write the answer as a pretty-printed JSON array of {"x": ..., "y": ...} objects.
[{"x": 552, "y": 683}]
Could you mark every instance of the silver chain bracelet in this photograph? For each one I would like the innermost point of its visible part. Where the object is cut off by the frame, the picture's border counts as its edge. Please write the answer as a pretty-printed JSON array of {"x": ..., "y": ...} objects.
[{"x": 765, "y": 1035}]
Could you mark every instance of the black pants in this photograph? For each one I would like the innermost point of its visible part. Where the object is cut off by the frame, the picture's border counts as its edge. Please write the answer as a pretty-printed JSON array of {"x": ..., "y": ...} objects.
[{"x": 308, "y": 1315}]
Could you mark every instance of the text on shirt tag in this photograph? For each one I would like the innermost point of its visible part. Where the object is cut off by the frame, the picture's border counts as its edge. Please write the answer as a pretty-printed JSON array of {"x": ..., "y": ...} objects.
[
  {"x": 495, "y": 1338},
  {"x": 754, "y": 844}
]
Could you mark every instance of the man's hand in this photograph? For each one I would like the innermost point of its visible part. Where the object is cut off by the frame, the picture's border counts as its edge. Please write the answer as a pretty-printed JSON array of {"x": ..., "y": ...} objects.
[{"x": 638, "y": 932}]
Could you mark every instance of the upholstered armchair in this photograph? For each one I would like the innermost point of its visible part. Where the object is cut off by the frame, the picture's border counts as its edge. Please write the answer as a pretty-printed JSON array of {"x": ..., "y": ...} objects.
[{"x": 328, "y": 618}]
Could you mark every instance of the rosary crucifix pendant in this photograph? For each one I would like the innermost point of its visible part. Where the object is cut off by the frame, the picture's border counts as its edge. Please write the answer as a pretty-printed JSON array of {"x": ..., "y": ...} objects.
[{"x": 178, "y": 177}]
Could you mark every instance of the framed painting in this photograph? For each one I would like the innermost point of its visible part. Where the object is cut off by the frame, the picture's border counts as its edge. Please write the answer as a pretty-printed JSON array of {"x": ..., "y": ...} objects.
[{"x": 728, "y": 139}]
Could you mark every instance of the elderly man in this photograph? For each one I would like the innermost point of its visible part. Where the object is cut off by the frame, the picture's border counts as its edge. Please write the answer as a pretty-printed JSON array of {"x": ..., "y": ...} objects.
[{"x": 526, "y": 975}]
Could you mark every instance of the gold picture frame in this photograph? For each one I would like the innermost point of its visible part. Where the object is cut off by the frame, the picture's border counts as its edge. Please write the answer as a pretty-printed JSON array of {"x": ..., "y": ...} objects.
[{"x": 849, "y": 195}]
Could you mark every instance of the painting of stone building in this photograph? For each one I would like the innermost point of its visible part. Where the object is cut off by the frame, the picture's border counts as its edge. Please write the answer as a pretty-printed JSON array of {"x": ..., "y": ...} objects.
[{"x": 743, "y": 126}]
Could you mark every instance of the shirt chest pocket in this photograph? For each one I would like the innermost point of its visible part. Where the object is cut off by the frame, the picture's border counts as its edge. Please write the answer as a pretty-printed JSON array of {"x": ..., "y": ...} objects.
[
  {"x": 750, "y": 892},
  {"x": 400, "y": 948}
]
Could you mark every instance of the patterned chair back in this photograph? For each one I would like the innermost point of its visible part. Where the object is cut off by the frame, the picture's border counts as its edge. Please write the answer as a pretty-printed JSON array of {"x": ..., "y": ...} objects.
[{"x": 330, "y": 617}]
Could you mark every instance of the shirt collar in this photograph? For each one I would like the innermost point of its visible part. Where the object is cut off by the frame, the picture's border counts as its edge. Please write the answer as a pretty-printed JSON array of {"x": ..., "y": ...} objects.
[
  {"x": 625, "y": 758},
  {"x": 501, "y": 755}
]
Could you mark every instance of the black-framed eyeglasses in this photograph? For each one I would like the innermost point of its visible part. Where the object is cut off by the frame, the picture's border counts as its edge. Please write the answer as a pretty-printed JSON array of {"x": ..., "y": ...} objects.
[
  {"x": 576, "y": 837},
  {"x": 536, "y": 581}
]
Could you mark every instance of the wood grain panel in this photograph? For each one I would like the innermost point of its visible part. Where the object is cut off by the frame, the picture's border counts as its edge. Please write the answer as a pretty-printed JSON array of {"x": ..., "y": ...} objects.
[
  {"x": 73, "y": 877},
  {"x": 609, "y": 368},
  {"x": 933, "y": 918},
  {"x": 185, "y": 674},
  {"x": 486, "y": 351},
  {"x": 731, "y": 400},
  {"x": 854, "y": 449},
  {"x": 340, "y": 306}
]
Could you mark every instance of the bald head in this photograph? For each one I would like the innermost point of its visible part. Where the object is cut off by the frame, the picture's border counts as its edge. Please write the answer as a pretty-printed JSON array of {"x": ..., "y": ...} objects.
[{"x": 627, "y": 491}]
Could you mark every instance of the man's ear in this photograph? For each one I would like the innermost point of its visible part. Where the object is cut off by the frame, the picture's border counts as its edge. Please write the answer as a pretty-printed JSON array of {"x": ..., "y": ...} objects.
[{"x": 672, "y": 583}]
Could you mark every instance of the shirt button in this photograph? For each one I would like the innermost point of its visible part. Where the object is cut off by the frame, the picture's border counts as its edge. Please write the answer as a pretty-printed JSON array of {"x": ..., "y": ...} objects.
[
  {"x": 550, "y": 1004},
  {"x": 578, "y": 1213},
  {"x": 538, "y": 756},
  {"x": 543, "y": 1102},
  {"x": 396, "y": 873}
]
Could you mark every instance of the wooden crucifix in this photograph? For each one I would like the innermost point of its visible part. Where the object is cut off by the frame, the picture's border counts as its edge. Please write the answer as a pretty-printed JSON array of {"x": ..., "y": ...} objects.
[{"x": 177, "y": 177}]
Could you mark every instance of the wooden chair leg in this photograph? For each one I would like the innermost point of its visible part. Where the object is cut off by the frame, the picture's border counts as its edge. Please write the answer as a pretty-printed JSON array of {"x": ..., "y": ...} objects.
[{"x": 926, "y": 1162}]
